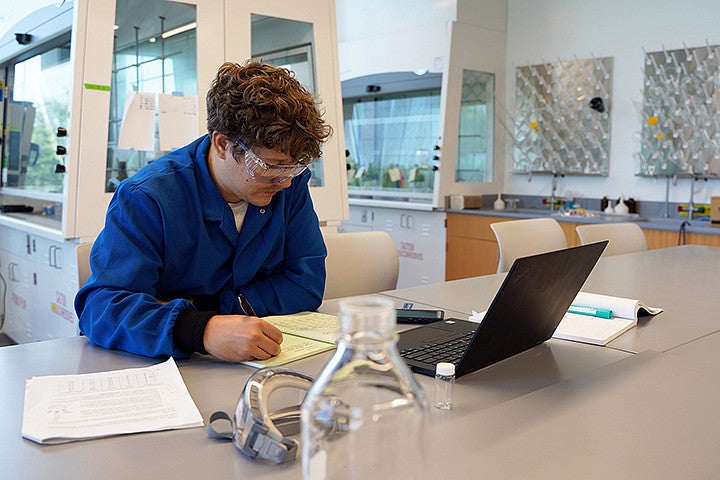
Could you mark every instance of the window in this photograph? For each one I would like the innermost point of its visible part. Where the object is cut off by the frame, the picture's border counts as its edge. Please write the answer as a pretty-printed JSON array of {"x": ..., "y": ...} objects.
[
  {"x": 289, "y": 44},
  {"x": 153, "y": 54},
  {"x": 475, "y": 139},
  {"x": 38, "y": 106},
  {"x": 389, "y": 140}
]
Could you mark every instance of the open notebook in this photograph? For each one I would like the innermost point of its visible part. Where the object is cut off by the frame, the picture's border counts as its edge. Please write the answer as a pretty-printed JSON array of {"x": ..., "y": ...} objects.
[
  {"x": 304, "y": 334},
  {"x": 601, "y": 331}
]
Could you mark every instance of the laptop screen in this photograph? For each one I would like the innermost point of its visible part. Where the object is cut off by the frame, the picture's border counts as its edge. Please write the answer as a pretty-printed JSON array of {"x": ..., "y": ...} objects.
[{"x": 525, "y": 312}]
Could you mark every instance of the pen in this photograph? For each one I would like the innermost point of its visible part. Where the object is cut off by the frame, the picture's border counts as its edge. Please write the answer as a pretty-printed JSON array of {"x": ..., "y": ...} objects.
[
  {"x": 245, "y": 305},
  {"x": 593, "y": 312}
]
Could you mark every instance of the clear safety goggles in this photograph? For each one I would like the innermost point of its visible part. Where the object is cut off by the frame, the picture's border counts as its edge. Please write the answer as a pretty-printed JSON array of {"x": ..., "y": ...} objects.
[
  {"x": 269, "y": 173},
  {"x": 255, "y": 430}
]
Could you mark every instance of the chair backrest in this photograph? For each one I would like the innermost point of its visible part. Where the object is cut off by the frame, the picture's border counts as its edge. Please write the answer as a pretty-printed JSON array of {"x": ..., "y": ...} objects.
[
  {"x": 82, "y": 251},
  {"x": 521, "y": 238},
  {"x": 623, "y": 237},
  {"x": 360, "y": 263}
]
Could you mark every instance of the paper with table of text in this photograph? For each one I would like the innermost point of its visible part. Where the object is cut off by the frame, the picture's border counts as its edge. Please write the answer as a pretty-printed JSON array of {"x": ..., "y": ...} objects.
[{"x": 66, "y": 408}]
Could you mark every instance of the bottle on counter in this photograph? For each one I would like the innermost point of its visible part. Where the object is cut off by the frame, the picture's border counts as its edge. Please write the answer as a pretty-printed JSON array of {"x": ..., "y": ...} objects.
[
  {"x": 632, "y": 205},
  {"x": 499, "y": 203},
  {"x": 604, "y": 202},
  {"x": 621, "y": 206}
]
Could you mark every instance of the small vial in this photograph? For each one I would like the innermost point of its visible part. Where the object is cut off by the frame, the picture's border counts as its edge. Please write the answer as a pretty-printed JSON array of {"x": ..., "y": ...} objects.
[{"x": 444, "y": 383}]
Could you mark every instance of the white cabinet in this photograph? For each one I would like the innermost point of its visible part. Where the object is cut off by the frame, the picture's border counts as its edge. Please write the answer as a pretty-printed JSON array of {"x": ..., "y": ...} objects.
[
  {"x": 79, "y": 39},
  {"x": 18, "y": 275},
  {"x": 418, "y": 235},
  {"x": 41, "y": 282},
  {"x": 57, "y": 284},
  {"x": 360, "y": 220}
]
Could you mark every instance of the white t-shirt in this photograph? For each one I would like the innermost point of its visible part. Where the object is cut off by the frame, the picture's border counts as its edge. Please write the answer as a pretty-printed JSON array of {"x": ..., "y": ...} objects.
[{"x": 239, "y": 209}]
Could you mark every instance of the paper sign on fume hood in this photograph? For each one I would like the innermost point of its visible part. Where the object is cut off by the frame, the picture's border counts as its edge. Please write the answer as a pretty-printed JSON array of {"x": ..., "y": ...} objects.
[
  {"x": 177, "y": 120},
  {"x": 138, "y": 123}
]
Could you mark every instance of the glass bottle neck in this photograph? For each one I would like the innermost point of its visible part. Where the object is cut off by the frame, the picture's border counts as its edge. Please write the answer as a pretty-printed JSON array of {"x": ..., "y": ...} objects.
[
  {"x": 378, "y": 349},
  {"x": 364, "y": 318}
]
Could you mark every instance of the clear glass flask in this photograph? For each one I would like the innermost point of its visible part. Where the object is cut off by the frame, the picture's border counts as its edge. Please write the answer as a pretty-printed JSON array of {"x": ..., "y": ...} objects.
[{"x": 365, "y": 414}]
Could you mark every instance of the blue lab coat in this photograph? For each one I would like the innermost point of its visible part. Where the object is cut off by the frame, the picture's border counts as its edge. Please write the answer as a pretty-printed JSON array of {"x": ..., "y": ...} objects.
[{"x": 170, "y": 236}]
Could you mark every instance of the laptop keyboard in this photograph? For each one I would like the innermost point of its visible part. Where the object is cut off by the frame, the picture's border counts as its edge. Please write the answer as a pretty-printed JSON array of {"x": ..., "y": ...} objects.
[{"x": 449, "y": 350}]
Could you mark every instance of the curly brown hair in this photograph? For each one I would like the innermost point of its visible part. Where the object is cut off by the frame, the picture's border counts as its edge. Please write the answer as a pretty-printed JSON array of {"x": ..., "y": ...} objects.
[{"x": 263, "y": 105}]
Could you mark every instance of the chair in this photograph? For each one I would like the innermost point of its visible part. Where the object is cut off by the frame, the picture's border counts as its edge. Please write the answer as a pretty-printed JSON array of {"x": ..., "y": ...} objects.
[
  {"x": 624, "y": 237},
  {"x": 360, "y": 263},
  {"x": 521, "y": 238},
  {"x": 82, "y": 252}
]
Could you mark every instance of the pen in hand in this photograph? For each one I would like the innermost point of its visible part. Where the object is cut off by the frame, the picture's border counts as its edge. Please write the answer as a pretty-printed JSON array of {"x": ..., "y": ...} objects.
[{"x": 245, "y": 305}]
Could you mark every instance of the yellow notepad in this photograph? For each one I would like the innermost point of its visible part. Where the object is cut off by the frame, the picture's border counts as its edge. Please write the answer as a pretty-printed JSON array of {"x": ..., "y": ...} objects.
[{"x": 304, "y": 334}]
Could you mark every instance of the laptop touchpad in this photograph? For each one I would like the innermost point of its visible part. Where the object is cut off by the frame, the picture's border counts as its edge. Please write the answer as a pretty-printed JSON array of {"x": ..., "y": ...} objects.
[{"x": 429, "y": 334}]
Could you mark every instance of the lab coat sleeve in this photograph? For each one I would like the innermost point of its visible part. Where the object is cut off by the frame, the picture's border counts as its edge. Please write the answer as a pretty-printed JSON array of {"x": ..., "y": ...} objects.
[{"x": 117, "y": 307}]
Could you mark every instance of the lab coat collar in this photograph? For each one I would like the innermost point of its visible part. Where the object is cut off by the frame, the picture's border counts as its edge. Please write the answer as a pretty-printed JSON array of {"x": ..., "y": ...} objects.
[
  {"x": 215, "y": 207},
  {"x": 211, "y": 200}
]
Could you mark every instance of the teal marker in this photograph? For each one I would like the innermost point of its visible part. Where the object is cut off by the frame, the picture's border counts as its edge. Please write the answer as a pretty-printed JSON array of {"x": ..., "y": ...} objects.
[{"x": 590, "y": 311}]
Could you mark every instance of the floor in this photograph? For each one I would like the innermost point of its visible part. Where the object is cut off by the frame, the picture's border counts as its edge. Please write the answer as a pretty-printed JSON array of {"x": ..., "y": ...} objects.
[{"x": 5, "y": 340}]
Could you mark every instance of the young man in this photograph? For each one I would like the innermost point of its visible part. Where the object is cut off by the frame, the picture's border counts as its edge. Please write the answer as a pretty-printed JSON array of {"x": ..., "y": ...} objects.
[{"x": 225, "y": 218}]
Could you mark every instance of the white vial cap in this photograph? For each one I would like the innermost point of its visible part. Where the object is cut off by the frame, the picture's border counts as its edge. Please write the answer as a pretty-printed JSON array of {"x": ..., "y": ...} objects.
[{"x": 445, "y": 369}]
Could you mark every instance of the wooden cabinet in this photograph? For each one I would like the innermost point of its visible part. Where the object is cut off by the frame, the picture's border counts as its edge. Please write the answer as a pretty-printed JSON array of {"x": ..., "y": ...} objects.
[
  {"x": 471, "y": 246},
  {"x": 665, "y": 238},
  {"x": 472, "y": 249}
]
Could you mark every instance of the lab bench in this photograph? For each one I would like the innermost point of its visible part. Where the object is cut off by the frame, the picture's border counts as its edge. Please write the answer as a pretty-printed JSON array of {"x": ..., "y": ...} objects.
[{"x": 472, "y": 249}]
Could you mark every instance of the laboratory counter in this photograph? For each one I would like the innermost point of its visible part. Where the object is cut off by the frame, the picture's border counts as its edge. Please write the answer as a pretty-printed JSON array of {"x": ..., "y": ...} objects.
[
  {"x": 673, "y": 223},
  {"x": 472, "y": 249}
]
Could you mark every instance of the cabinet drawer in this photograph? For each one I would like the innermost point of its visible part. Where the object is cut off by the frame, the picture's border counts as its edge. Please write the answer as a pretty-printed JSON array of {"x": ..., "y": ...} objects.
[
  {"x": 472, "y": 226},
  {"x": 16, "y": 242}
]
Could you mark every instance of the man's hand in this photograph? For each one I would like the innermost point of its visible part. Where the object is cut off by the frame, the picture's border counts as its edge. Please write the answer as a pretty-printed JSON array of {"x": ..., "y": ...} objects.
[{"x": 237, "y": 338}]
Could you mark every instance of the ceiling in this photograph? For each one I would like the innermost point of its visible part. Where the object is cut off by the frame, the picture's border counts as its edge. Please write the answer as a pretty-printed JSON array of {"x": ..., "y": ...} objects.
[{"x": 146, "y": 16}]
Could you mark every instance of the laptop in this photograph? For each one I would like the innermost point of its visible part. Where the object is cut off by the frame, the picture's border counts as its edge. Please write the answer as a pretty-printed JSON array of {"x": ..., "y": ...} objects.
[{"x": 525, "y": 312}]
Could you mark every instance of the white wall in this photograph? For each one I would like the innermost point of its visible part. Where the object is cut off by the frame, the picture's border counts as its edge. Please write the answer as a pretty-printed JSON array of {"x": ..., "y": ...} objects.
[
  {"x": 542, "y": 31},
  {"x": 376, "y": 36},
  {"x": 402, "y": 35}
]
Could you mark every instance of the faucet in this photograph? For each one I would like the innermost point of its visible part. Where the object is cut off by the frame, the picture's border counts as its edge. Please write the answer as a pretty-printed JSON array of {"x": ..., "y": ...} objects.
[
  {"x": 691, "y": 205},
  {"x": 552, "y": 193},
  {"x": 666, "y": 212}
]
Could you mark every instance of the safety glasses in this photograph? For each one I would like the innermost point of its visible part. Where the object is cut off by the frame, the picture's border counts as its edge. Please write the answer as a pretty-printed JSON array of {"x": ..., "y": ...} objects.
[{"x": 269, "y": 173}]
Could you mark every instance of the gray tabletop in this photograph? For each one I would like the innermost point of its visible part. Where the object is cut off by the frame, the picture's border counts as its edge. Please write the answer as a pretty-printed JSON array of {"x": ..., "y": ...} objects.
[
  {"x": 216, "y": 385},
  {"x": 647, "y": 416},
  {"x": 562, "y": 409},
  {"x": 681, "y": 280}
]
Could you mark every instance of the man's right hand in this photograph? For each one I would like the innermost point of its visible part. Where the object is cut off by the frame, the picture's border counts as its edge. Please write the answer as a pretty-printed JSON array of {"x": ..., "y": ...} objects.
[{"x": 237, "y": 338}]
